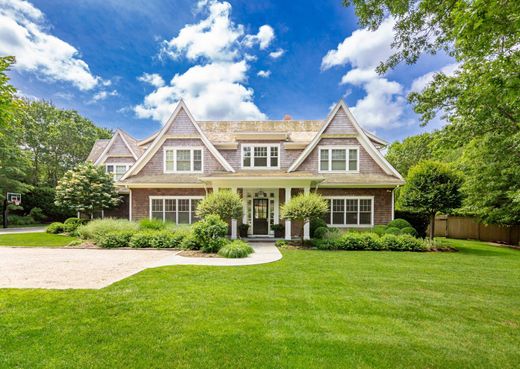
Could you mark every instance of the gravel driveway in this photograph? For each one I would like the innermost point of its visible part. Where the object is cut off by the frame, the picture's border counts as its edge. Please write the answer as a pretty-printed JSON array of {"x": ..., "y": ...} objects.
[
  {"x": 71, "y": 268},
  {"x": 33, "y": 267}
]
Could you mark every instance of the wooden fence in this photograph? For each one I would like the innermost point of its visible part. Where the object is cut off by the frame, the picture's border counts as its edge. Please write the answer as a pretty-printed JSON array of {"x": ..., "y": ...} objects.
[{"x": 470, "y": 228}]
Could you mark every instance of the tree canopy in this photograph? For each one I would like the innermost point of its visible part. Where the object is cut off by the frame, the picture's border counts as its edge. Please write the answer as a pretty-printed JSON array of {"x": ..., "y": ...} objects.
[
  {"x": 87, "y": 188},
  {"x": 304, "y": 208},
  {"x": 226, "y": 204},
  {"x": 432, "y": 187},
  {"x": 480, "y": 101}
]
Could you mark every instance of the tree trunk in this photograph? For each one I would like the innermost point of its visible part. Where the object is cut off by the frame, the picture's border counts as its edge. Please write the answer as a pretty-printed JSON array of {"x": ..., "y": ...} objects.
[
  {"x": 432, "y": 227},
  {"x": 301, "y": 233}
]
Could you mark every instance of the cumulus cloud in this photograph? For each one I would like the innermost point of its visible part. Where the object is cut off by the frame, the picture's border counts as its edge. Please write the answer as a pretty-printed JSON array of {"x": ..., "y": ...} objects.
[
  {"x": 215, "y": 88},
  {"x": 102, "y": 95},
  {"x": 153, "y": 79},
  {"x": 263, "y": 38},
  {"x": 264, "y": 73},
  {"x": 384, "y": 104},
  {"x": 421, "y": 82},
  {"x": 24, "y": 33},
  {"x": 276, "y": 54}
]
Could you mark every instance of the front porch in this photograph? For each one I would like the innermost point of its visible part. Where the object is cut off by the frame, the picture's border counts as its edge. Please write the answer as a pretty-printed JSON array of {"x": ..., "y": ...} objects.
[{"x": 262, "y": 200}]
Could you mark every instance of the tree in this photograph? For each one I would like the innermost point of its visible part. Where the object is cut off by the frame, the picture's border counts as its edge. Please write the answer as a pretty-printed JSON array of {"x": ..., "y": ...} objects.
[
  {"x": 432, "y": 187},
  {"x": 226, "y": 204},
  {"x": 13, "y": 161},
  {"x": 86, "y": 188},
  {"x": 304, "y": 208},
  {"x": 480, "y": 100},
  {"x": 56, "y": 139}
]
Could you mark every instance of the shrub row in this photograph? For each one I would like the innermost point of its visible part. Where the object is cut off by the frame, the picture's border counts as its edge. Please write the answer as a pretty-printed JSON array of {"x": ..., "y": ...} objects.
[
  {"x": 372, "y": 241},
  {"x": 142, "y": 239}
]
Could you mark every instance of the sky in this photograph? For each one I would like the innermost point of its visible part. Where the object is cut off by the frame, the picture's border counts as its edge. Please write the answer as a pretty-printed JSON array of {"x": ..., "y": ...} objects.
[{"x": 125, "y": 64}]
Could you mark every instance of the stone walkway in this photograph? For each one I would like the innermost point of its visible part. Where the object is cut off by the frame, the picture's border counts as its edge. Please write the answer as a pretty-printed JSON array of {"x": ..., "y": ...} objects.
[{"x": 24, "y": 267}]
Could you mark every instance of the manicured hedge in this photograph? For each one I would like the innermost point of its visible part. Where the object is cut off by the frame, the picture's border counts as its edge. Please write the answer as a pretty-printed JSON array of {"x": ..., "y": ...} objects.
[
  {"x": 115, "y": 239},
  {"x": 157, "y": 239},
  {"x": 372, "y": 241}
]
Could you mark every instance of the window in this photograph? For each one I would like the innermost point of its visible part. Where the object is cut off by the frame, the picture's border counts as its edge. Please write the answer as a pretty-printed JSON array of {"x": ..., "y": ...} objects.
[
  {"x": 349, "y": 211},
  {"x": 188, "y": 160},
  {"x": 260, "y": 156},
  {"x": 116, "y": 170},
  {"x": 338, "y": 159},
  {"x": 178, "y": 210}
]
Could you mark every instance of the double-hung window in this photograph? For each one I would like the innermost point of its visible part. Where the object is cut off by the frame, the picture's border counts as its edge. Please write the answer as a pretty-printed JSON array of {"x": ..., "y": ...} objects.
[
  {"x": 178, "y": 210},
  {"x": 261, "y": 156},
  {"x": 183, "y": 160},
  {"x": 338, "y": 159},
  {"x": 350, "y": 211},
  {"x": 116, "y": 170}
]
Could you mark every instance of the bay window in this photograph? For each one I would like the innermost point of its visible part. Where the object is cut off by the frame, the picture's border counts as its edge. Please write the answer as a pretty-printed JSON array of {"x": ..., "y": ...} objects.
[
  {"x": 350, "y": 211},
  {"x": 174, "y": 209},
  {"x": 338, "y": 159},
  {"x": 260, "y": 156},
  {"x": 183, "y": 160}
]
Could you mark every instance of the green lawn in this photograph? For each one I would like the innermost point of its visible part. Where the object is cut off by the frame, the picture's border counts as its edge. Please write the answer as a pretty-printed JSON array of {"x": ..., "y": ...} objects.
[
  {"x": 35, "y": 239},
  {"x": 312, "y": 309}
]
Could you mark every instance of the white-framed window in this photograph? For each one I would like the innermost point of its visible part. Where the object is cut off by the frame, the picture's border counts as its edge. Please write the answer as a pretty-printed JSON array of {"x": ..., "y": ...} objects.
[
  {"x": 338, "y": 159},
  {"x": 183, "y": 160},
  {"x": 261, "y": 156},
  {"x": 117, "y": 170},
  {"x": 174, "y": 209},
  {"x": 350, "y": 211}
]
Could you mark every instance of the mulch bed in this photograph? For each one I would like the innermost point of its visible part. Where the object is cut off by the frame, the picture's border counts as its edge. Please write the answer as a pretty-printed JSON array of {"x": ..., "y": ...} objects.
[{"x": 198, "y": 254}]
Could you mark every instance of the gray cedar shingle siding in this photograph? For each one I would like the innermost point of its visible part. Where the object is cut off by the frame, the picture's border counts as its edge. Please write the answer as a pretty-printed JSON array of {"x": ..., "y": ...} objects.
[
  {"x": 118, "y": 160},
  {"x": 367, "y": 165},
  {"x": 340, "y": 124},
  {"x": 118, "y": 148}
]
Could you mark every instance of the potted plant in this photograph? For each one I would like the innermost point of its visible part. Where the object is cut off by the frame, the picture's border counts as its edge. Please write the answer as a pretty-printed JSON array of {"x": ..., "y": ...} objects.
[
  {"x": 242, "y": 229},
  {"x": 278, "y": 230}
]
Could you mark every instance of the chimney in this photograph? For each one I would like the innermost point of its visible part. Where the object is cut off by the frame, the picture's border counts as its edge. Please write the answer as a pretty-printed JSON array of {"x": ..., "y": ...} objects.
[{"x": 287, "y": 117}]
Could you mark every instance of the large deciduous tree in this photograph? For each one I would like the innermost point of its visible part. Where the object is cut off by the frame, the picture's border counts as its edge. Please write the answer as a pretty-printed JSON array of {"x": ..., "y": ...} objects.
[
  {"x": 86, "y": 189},
  {"x": 13, "y": 161},
  {"x": 56, "y": 139},
  {"x": 432, "y": 187},
  {"x": 304, "y": 208},
  {"x": 480, "y": 100}
]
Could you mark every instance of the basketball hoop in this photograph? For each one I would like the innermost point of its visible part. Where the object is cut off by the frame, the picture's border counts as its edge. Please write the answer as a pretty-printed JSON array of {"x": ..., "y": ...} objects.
[{"x": 14, "y": 198}]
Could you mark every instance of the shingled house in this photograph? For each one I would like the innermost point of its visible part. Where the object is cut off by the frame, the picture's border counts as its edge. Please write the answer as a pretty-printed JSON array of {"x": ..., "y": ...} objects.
[{"x": 165, "y": 175}]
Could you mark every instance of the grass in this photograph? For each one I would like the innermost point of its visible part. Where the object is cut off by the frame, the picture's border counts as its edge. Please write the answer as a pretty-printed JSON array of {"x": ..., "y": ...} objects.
[
  {"x": 312, "y": 309},
  {"x": 35, "y": 239}
]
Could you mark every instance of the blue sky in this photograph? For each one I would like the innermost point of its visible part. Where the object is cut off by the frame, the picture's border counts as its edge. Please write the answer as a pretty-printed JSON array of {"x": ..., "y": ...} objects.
[{"x": 125, "y": 63}]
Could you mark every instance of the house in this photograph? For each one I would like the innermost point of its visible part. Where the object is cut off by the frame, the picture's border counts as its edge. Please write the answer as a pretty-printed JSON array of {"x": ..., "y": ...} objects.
[{"x": 165, "y": 175}]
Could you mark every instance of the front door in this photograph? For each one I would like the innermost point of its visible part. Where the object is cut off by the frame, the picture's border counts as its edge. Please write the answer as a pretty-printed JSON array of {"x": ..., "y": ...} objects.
[{"x": 260, "y": 212}]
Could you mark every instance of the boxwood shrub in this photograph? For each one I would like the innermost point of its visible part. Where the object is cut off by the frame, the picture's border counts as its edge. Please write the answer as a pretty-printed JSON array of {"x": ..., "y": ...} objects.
[
  {"x": 236, "y": 249},
  {"x": 210, "y": 233},
  {"x": 399, "y": 223},
  {"x": 372, "y": 241},
  {"x": 115, "y": 239},
  {"x": 55, "y": 228}
]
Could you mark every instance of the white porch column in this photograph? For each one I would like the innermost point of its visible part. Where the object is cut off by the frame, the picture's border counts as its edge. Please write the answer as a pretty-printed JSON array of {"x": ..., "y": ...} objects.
[
  {"x": 234, "y": 221},
  {"x": 287, "y": 221},
  {"x": 306, "y": 226}
]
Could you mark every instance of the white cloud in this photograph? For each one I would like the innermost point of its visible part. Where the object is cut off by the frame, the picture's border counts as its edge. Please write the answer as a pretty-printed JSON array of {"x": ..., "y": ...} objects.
[
  {"x": 211, "y": 91},
  {"x": 263, "y": 38},
  {"x": 384, "y": 104},
  {"x": 153, "y": 79},
  {"x": 421, "y": 82},
  {"x": 264, "y": 73},
  {"x": 216, "y": 87},
  {"x": 363, "y": 49},
  {"x": 24, "y": 34},
  {"x": 213, "y": 38},
  {"x": 276, "y": 54},
  {"x": 102, "y": 95}
]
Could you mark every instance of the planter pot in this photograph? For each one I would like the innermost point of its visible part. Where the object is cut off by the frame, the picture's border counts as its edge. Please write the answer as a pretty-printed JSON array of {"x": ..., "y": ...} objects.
[
  {"x": 243, "y": 232},
  {"x": 279, "y": 233}
]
